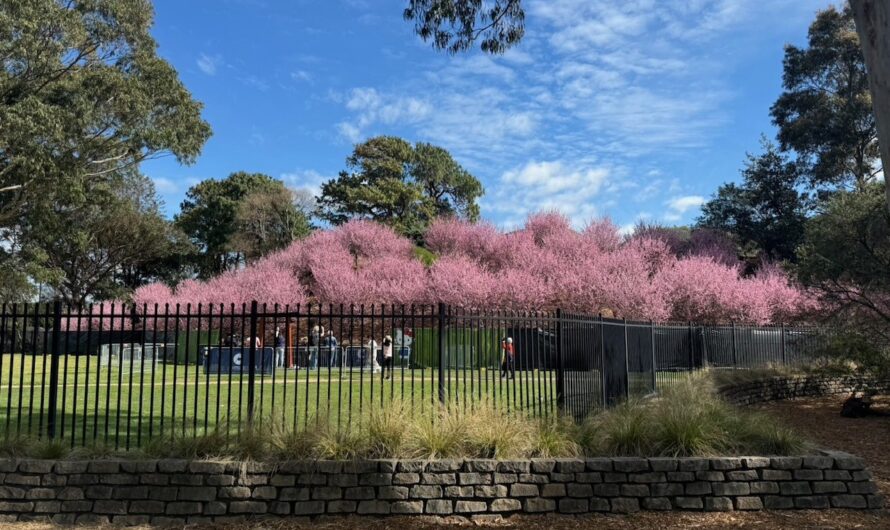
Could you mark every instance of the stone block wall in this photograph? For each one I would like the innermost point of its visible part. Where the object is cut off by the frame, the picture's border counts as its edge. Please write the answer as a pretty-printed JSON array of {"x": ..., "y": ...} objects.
[
  {"x": 790, "y": 387},
  {"x": 177, "y": 491}
]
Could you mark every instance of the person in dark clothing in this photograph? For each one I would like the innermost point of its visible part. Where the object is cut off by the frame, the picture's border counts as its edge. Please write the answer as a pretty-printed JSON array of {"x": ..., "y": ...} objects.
[
  {"x": 508, "y": 360},
  {"x": 279, "y": 348},
  {"x": 330, "y": 342},
  {"x": 387, "y": 356}
]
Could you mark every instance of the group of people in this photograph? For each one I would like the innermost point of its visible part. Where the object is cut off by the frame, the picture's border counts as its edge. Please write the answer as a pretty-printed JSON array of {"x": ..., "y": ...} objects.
[{"x": 320, "y": 341}]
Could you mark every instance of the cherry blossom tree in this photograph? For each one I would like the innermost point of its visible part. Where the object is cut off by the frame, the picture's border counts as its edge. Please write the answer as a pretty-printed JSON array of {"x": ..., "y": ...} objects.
[{"x": 542, "y": 266}]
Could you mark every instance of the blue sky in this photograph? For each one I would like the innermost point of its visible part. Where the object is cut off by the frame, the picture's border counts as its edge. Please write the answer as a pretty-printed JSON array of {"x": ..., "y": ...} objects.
[{"x": 634, "y": 110}]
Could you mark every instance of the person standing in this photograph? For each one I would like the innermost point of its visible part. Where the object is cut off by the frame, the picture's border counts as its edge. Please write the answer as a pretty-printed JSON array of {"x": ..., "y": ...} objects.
[
  {"x": 387, "y": 356},
  {"x": 279, "y": 347},
  {"x": 315, "y": 337},
  {"x": 507, "y": 363},
  {"x": 371, "y": 360},
  {"x": 330, "y": 342}
]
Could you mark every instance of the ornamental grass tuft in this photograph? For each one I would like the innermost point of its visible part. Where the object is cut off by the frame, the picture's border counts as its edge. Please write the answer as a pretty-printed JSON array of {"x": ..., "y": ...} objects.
[{"x": 686, "y": 419}]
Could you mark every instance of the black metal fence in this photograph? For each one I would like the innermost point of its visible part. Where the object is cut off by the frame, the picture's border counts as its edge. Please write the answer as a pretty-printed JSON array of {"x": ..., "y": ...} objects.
[{"x": 122, "y": 375}]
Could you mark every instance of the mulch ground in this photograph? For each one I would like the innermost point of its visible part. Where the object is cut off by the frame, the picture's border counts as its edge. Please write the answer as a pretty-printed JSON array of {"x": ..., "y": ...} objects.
[{"x": 818, "y": 419}]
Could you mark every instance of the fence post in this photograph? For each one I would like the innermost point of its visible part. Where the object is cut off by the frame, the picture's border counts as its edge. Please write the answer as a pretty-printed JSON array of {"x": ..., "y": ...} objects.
[
  {"x": 54, "y": 371},
  {"x": 652, "y": 338},
  {"x": 443, "y": 361},
  {"x": 626, "y": 363},
  {"x": 251, "y": 359},
  {"x": 603, "y": 379},
  {"x": 691, "y": 349},
  {"x": 735, "y": 361},
  {"x": 784, "y": 360},
  {"x": 560, "y": 364}
]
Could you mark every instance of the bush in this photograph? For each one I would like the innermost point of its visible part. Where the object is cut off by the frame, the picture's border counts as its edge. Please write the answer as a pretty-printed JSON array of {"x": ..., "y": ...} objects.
[{"x": 688, "y": 419}]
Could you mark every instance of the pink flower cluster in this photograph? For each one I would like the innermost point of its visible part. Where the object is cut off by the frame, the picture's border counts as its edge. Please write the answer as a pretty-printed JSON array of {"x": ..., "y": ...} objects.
[{"x": 544, "y": 265}]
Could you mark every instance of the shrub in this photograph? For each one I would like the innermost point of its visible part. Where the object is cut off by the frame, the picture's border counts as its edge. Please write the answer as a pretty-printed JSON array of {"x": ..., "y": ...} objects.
[
  {"x": 544, "y": 265},
  {"x": 191, "y": 444},
  {"x": 557, "y": 437},
  {"x": 494, "y": 433},
  {"x": 622, "y": 431},
  {"x": 687, "y": 419},
  {"x": 439, "y": 434},
  {"x": 16, "y": 445},
  {"x": 386, "y": 433}
]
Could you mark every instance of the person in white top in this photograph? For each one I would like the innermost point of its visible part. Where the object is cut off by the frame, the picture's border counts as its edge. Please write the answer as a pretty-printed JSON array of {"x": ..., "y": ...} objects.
[
  {"x": 371, "y": 357},
  {"x": 387, "y": 356}
]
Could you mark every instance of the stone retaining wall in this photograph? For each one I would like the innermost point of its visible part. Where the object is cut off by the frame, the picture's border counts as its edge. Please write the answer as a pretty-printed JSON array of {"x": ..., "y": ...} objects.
[
  {"x": 789, "y": 387},
  {"x": 178, "y": 491}
]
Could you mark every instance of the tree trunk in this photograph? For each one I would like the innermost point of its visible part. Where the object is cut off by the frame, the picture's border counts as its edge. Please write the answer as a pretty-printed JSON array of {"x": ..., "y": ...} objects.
[{"x": 873, "y": 25}]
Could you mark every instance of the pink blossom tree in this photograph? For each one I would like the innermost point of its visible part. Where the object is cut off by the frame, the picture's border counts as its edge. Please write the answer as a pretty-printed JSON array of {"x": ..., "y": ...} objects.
[{"x": 544, "y": 265}]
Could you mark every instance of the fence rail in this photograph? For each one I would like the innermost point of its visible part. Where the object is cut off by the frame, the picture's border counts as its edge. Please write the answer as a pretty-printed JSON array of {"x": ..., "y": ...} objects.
[{"x": 123, "y": 375}]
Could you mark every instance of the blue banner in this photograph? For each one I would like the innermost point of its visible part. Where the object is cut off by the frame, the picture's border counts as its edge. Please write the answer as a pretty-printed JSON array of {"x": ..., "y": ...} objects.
[{"x": 236, "y": 359}]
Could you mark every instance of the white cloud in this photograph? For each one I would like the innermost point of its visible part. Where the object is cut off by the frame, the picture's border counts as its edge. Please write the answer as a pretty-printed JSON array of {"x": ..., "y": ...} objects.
[
  {"x": 627, "y": 229},
  {"x": 165, "y": 186},
  {"x": 350, "y": 132},
  {"x": 306, "y": 179},
  {"x": 255, "y": 82},
  {"x": 593, "y": 80},
  {"x": 301, "y": 75},
  {"x": 548, "y": 186},
  {"x": 209, "y": 63},
  {"x": 678, "y": 206},
  {"x": 373, "y": 108},
  {"x": 683, "y": 204}
]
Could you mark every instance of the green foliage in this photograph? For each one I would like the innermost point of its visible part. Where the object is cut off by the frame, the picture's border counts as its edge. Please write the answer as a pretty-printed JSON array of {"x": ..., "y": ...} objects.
[
  {"x": 557, "y": 437},
  {"x": 860, "y": 350},
  {"x": 210, "y": 217},
  {"x": 846, "y": 256},
  {"x": 339, "y": 444},
  {"x": 688, "y": 419},
  {"x": 84, "y": 98},
  {"x": 400, "y": 185},
  {"x": 766, "y": 211},
  {"x": 386, "y": 434},
  {"x": 16, "y": 445},
  {"x": 825, "y": 112},
  {"x": 622, "y": 431},
  {"x": 266, "y": 221},
  {"x": 189, "y": 444},
  {"x": 455, "y": 25},
  {"x": 61, "y": 129},
  {"x": 102, "y": 246},
  {"x": 50, "y": 449},
  {"x": 425, "y": 256},
  {"x": 491, "y": 433},
  {"x": 442, "y": 436},
  {"x": 762, "y": 435}
]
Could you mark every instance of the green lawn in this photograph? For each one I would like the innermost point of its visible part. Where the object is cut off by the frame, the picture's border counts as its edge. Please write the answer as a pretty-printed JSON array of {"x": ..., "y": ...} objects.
[{"x": 125, "y": 405}]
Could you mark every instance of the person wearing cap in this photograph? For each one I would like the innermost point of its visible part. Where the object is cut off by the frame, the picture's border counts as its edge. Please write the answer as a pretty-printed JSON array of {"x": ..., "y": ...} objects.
[
  {"x": 507, "y": 364},
  {"x": 387, "y": 356}
]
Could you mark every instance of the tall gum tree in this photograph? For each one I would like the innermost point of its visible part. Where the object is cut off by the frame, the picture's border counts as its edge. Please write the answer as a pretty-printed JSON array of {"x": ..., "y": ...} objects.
[
  {"x": 83, "y": 94},
  {"x": 873, "y": 25}
]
